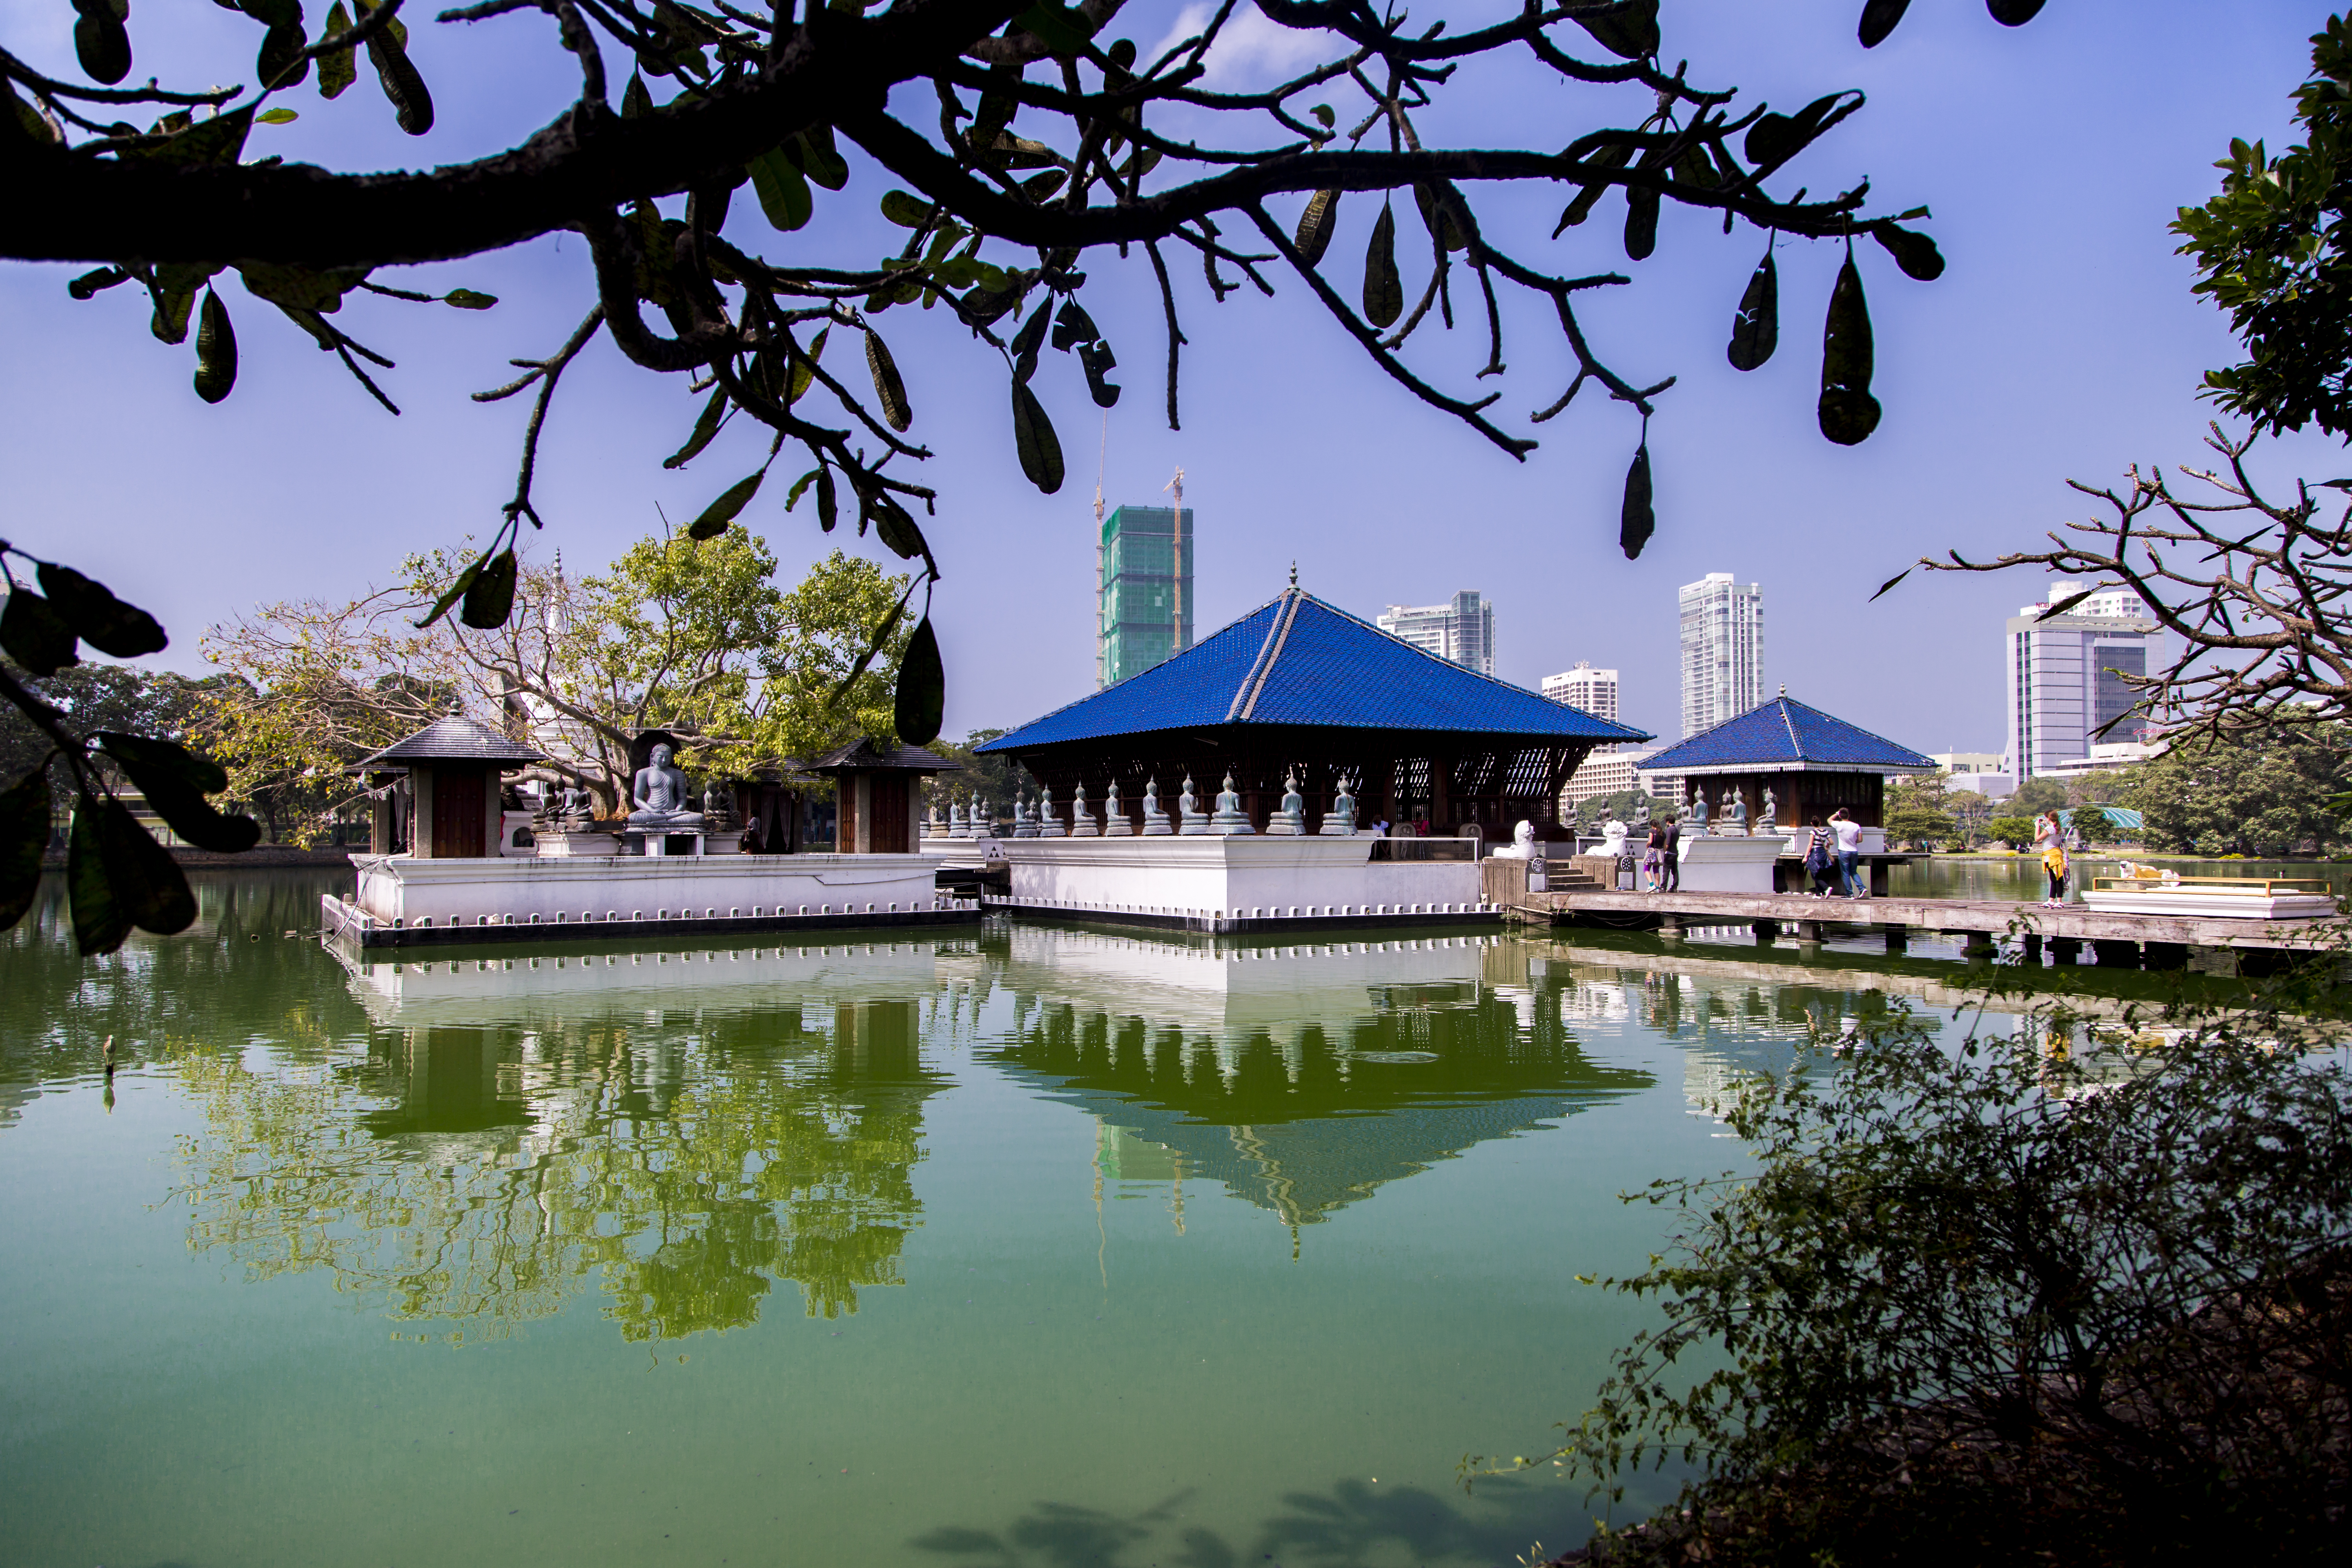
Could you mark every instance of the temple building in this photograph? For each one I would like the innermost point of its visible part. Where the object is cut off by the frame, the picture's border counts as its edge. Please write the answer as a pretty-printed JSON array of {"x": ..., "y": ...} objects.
[
  {"x": 1814, "y": 763},
  {"x": 1300, "y": 687}
]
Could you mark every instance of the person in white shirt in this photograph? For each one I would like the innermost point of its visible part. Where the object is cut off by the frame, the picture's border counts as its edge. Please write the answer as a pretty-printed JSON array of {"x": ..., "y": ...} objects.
[{"x": 1849, "y": 852}]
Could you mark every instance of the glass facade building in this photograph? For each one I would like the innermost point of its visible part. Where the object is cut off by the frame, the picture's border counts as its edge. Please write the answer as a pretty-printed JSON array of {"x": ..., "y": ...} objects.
[
  {"x": 2067, "y": 691},
  {"x": 1722, "y": 650},
  {"x": 1460, "y": 631},
  {"x": 1143, "y": 605}
]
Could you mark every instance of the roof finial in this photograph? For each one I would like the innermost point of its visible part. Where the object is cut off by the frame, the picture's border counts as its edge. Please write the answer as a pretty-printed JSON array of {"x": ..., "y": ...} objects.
[
  {"x": 1294, "y": 574},
  {"x": 1784, "y": 689}
]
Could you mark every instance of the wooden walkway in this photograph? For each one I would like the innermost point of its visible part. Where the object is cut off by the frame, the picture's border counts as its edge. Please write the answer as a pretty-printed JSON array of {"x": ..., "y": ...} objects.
[{"x": 2166, "y": 942}]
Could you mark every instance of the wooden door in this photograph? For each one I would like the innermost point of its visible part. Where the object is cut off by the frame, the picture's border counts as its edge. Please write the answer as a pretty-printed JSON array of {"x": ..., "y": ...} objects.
[
  {"x": 457, "y": 812},
  {"x": 888, "y": 807}
]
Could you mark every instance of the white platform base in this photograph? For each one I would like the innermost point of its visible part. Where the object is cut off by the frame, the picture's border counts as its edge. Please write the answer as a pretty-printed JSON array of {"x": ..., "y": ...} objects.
[
  {"x": 399, "y": 899},
  {"x": 1722, "y": 864},
  {"x": 2208, "y": 905},
  {"x": 1216, "y": 883}
]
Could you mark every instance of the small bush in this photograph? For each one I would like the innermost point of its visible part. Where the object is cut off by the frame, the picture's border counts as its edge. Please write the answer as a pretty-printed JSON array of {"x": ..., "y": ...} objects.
[{"x": 1983, "y": 1306}]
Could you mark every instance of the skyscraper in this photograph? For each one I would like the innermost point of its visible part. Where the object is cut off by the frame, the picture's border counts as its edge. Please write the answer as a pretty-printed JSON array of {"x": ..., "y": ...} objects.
[
  {"x": 1593, "y": 691},
  {"x": 1144, "y": 590},
  {"x": 2066, "y": 675},
  {"x": 1462, "y": 631},
  {"x": 1722, "y": 650}
]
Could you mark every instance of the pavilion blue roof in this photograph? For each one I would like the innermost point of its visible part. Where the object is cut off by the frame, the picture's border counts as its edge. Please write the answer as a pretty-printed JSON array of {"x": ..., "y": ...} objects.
[
  {"x": 1784, "y": 734},
  {"x": 1297, "y": 660}
]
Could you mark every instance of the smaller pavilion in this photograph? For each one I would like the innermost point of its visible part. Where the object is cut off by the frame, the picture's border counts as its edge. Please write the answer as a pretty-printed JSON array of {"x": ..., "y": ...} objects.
[
  {"x": 452, "y": 809},
  {"x": 1813, "y": 763},
  {"x": 878, "y": 803}
]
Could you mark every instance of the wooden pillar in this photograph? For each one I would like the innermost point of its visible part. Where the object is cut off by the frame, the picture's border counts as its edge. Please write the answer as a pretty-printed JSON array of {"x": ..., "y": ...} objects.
[{"x": 1441, "y": 793}]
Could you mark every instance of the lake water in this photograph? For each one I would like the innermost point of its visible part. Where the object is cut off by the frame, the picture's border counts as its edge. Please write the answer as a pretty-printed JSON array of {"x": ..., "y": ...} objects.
[{"x": 1025, "y": 1246}]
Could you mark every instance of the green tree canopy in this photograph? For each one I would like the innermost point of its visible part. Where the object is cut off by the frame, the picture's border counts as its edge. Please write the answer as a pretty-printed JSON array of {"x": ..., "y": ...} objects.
[
  {"x": 693, "y": 637},
  {"x": 2273, "y": 248},
  {"x": 1917, "y": 812},
  {"x": 2263, "y": 794}
]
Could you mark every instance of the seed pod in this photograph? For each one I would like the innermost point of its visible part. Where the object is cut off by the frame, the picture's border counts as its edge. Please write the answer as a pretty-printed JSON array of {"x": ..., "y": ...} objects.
[
  {"x": 1847, "y": 411},
  {"x": 24, "y": 837},
  {"x": 1383, "y": 291},
  {"x": 1629, "y": 31},
  {"x": 1316, "y": 224},
  {"x": 888, "y": 390},
  {"x": 921, "y": 696},
  {"x": 1435, "y": 218},
  {"x": 215, "y": 350},
  {"x": 1878, "y": 19},
  {"x": 1616, "y": 156},
  {"x": 491, "y": 598},
  {"x": 1637, "y": 520},
  {"x": 1913, "y": 252},
  {"x": 1756, "y": 329},
  {"x": 1040, "y": 449},
  {"x": 1641, "y": 223},
  {"x": 281, "y": 62},
  {"x": 402, "y": 85},
  {"x": 100, "y": 41}
]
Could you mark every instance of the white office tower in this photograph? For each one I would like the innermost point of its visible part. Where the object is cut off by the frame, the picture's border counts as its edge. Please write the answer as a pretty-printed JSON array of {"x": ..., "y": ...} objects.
[
  {"x": 2066, "y": 673},
  {"x": 1722, "y": 650},
  {"x": 1462, "y": 631},
  {"x": 1592, "y": 690}
]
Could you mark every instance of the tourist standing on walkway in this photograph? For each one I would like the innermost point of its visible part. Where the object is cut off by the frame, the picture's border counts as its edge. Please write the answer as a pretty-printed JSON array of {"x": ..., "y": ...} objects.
[
  {"x": 2048, "y": 838},
  {"x": 1653, "y": 849},
  {"x": 1849, "y": 853},
  {"x": 1672, "y": 855},
  {"x": 1820, "y": 858}
]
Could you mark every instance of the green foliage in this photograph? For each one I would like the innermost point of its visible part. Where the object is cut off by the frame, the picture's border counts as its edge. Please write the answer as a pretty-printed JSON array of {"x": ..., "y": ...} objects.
[
  {"x": 2274, "y": 249},
  {"x": 1917, "y": 812},
  {"x": 693, "y": 636},
  {"x": 2000, "y": 1304},
  {"x": 994, "y": 778},
  {"x": 2036, "y": 795},
  {"x": 2017, "y": 832},
  {"x": 2266, "y": 792}
]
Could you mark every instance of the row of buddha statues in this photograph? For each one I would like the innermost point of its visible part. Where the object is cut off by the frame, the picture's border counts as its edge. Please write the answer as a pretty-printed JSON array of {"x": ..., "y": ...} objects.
[
  {"x": 1225, "y": 819},
  {"x": 1694, "y": 817}
]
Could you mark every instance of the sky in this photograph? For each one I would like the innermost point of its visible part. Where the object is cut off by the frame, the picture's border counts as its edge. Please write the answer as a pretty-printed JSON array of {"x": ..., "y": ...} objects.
[{"x": 2062, "y": 341}]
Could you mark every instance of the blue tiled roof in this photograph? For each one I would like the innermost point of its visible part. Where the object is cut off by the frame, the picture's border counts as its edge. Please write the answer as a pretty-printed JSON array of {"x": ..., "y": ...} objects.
[
  {"x": 1299, "y": 661},
  {"x": 1781, "y": 733}
]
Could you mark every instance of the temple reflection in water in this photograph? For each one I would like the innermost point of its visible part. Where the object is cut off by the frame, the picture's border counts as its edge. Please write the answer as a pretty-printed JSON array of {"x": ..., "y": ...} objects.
[
  {"x": 480, "y": 1141},
  {"x": 1301, "y": 1077}
]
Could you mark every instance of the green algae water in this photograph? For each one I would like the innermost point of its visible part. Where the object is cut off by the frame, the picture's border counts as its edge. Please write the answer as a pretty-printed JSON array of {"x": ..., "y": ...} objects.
[{"x": 1025, "y": 1245}]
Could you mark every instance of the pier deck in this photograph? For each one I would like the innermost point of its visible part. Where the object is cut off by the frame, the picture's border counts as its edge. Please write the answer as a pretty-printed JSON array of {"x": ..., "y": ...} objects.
[{"x": 2159, "y": 941}]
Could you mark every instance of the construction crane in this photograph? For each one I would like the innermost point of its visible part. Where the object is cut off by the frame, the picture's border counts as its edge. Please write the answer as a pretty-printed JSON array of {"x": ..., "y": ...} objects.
[{"x": 1176, "y": 566}]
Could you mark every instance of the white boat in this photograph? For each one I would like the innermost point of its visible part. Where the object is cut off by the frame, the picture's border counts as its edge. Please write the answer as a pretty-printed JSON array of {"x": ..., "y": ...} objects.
[{"x": 2229, "y": 898}]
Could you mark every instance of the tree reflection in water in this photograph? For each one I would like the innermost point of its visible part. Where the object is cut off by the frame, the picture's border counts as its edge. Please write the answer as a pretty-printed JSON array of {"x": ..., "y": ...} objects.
[{"x": 479, "y": 1177}]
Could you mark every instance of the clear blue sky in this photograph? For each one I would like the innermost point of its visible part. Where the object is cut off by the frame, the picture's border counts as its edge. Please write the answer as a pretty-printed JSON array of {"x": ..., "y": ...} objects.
[{"x": 2062, "y": 341}]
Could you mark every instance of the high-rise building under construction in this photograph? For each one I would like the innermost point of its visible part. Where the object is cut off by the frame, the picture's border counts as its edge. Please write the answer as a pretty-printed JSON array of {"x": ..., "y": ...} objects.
[{"x": 1143, "y": 609}]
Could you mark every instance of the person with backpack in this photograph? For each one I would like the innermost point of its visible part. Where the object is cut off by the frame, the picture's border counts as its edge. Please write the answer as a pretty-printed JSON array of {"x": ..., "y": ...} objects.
[
  {"x": 1671, "y": 855},
  {"x": 1653, "y": 855},
  {"x": 1820, "y": 859}
]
